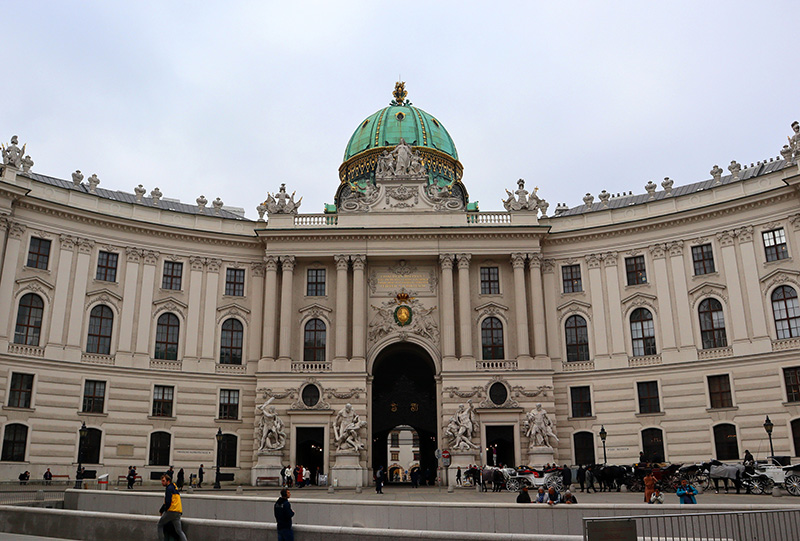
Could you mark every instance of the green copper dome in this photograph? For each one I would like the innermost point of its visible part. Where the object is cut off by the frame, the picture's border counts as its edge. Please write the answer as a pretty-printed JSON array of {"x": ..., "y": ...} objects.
[{"x": 386, "y": 127}]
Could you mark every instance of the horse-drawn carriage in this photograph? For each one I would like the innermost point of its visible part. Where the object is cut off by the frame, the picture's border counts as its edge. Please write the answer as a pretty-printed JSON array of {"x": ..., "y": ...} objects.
[
  {"x": 760, "y": 479},
  {"x": 524, "y": 476},
  {"x": 667, "y": 477}
]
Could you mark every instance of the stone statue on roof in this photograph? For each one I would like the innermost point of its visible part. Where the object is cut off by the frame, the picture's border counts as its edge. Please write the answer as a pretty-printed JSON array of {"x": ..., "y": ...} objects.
[
  {"x": 794, "y": 141},
  {"x": 522, "y": 199},
  {"x": 12, "y": 154},
  {"x": 402, "y": 154},
  {"x": 282, "y": 203}
]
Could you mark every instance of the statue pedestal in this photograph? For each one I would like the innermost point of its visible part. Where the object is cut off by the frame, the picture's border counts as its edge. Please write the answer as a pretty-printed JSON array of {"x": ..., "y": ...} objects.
[
  {"x": 539, "y": 456},
  {"x": 463, "y": 459},
  {"x": 347, "y": 470},
  {"x": 269, "y": 465}
]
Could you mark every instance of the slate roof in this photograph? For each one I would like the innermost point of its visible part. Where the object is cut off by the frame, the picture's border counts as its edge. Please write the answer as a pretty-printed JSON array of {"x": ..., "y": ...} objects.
[
  {"x": 124, "y": 197},
  {"x": 626, "y": 201}
]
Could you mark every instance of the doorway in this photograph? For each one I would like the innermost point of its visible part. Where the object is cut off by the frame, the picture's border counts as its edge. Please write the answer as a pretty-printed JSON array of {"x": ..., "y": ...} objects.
[
  {"x": 500, "y": 445},
  {"x": 404, "y": 402},
  {"x": 311, "y": 449}
]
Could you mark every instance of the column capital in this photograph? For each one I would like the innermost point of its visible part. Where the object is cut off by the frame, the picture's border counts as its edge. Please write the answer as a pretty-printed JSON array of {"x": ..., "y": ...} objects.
[
  {"x": 518, "y": 261},
  {"x": 287, "y": 263},
  {"x": 271, "y": 262},
  {"x": 359, "y": 261},
  {"x": 197, "y": 263},
  {"x": 658, "y": 251},
  {"x": 150, "y": 257},
  {"x": 257, "y": 268},
  {"x": 725, "y": 238},
  {"x": 675, "y": 248},
  {"x": 134, "y": 255},
  {"x": 67, "y": 242},
  {"x": 342, "y": 262},
  {"x": 463, "y": 260},
  {"x": 610, "y": 259},
  {"x": 15, "y": 230},
  {"x": 535, "y": 260},
  {"x": 213, "y": 264},
  {"x": 593, "y": 261},
  {"x": 5, "y": 222},
  {"x": 85, "y": 246},
  {"x": 446, "y": 261},
  {"x": 745, "y": 234}
]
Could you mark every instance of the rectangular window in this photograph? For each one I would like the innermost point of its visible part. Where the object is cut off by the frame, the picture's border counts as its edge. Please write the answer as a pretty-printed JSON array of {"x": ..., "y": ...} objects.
[
  {"x": 395, "y": 456},
  {"x": 490, "y": 281},
  {"x": 107, "y": 267},
  {"x": 648, "y": 397},
  {"x": 774, "y": 245},
  {"x": 173, "y": 271},
  {"x": 792, "y": 378},
  {"x": 315, "y": 283},
  {"x": 38, "y": 253},
  {"x": 94, "y": 396},
  {"x": 395, "y": 439},
  {"x": 719, "y": 391},
  {"x": 162, "y": 400},
  {"x": 19, "y": 396},
  {"x": 416, "y": 456},
  {"x": 634, "y": 268},
  {"x": 234, "y": 282},
  {"x": 571, "y": 277},
  {"x": 581, "y": 401},
  {"x": 703, "y": 259},
  {"x": 229, "y": 404}
]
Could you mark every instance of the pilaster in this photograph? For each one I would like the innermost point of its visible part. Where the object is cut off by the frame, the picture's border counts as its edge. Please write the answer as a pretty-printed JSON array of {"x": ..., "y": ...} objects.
[
  {"x": 736, "y": 309},
  {"x": 342, "y": 265},
  {"x": 359, "y": 307},
  {"x": 270, "y": 311},
  {"x": 755, "y": 301},
  {"x": 209, "y": 329},
  {"x": 287, "y": 322},
  {"x": 63, "y": 287},
  {"x": 77, "y": 311},
  {"x": 126, "y": 329},
  {"x": 521, "y": 307},
  {"x": 145, "y": 322},
  {"x": 593, "y": 263},
  {"x": 195, "y": 286},
  {"x": 538, "y": 311},
  {"x": 448, "y": 309},
  {"x": 665, "y": 316},
  {"x": 10, "y": 264}
]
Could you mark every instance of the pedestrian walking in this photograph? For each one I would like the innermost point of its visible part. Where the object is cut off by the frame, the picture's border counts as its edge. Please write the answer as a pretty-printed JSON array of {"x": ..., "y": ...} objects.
[
  {"x": 131, "y": 477},
  {"x": 200, "y": 473},
  {"x": 48, "y": 477},
  {"x": 180, "y": 479},
  {"x": 171, "y": 511},
  {"x": 379, "y": 481},
  {"x": 566, "y": 476},
  {"x": 686, "y": 492},
  {"x": 649, "y": 486},
  {"x": 581, "y": 475},
  {"x": 458, "y": 476},
  {"x": 590, "y": 480},
  {"x": 283, "y": 516}
]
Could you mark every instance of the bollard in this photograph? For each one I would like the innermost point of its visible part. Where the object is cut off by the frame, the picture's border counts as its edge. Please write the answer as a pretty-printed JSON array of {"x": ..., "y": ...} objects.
[
  {"x": 330, "y": 489},
  {"x": 239, "y": 490},
  {"x": 358, "y": 489},
  {"x": 451, "y": 489}
]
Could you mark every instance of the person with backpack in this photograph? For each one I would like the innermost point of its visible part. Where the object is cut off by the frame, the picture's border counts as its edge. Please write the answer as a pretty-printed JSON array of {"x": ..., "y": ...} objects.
[
  {"x": 171, "y": 511},
  {"x": 283, "y": 516}
]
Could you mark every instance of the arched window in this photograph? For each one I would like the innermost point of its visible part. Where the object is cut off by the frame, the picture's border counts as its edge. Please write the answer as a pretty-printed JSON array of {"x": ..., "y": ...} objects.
[
  {"x": 584, "y": 448},
  {"x": 314, "y": 340},
  {"x": 712, "y": 324},
  {"x": 101, "y": 321},
  {"x": 796, "y": 436},
  {"x": 653, "y": 445},
  {"x": 230, "y": 351},
  {"x": 725, "y": 442},
  {"x": 160, "y": 443},
  {"x": 226, "y": 450},
  {"x": 29, "y": 320},
  {"x": 577, "y": 339},
  {"x": 492, "y": 339},
  {"x": 15, "y": 440},
  {"x": 89, "y": 447},
  {"x": 643, "y": 333},
  {"x": 785, "y": 311},
  {"x": 167, "y": 330}
]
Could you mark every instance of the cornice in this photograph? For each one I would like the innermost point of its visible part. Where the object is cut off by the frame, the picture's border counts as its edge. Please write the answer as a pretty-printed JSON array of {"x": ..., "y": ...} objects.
[
  {"x": 683, "y": 217},
  {"x": 338, "y": 234}
]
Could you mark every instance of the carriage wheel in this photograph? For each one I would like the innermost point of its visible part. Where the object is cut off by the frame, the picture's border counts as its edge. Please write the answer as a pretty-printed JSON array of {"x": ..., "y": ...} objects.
[
  {"x": 703, "y": 480},
  {"x": 758, "y": 486},
  {"x": 792, "y": 484},
  {"x": 555, "y": 482},
  {"x": 512, "y": 485}
]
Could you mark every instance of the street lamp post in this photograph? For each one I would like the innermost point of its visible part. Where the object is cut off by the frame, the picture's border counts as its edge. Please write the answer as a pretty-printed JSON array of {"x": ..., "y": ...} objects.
[
  {"x": 603, "y": 435},
  {"x": 768, "y": 426},
  {"x": 219, "y": 441},
  {"x": 82, "y": 432}
]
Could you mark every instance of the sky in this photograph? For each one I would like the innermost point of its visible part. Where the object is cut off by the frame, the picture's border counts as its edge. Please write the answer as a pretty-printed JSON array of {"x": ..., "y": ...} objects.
[{"x": 231, "y": 99}]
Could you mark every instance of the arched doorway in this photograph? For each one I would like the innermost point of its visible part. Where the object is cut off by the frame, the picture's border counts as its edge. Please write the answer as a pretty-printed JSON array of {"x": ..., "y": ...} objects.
[{"x": 404, "y": 395}]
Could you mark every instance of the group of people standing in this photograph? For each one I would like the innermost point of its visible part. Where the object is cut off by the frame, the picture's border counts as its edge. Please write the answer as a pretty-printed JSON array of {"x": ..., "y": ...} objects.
[{"x": 300, "y": 476}]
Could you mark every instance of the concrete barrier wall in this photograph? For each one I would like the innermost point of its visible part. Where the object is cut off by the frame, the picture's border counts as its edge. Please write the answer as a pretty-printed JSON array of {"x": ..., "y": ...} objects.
[
  {"x": 93, "y": 526},
  {"x": 424, "y": 516}
]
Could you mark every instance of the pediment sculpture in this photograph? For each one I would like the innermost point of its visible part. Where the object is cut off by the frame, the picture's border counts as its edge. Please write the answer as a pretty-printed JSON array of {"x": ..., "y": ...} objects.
[
  {"x": 281, "y": 202},
  {"x": 418, "y": 320},
  {"x": 401, "y": 161}
]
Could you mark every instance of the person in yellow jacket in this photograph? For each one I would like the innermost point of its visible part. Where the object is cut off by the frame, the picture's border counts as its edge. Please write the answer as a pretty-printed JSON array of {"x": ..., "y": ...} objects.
[{"x": 171, "y": 511}]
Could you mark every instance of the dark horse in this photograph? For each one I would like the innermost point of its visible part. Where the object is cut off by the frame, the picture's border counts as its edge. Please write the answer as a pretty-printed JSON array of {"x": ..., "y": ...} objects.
[{"x": 610, "y": 477}]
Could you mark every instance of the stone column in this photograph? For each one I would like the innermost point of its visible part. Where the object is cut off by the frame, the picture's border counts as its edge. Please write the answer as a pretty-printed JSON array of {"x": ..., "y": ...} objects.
[
  {"x": 195, "y": 287},
  {"x": 256, "y": 289},
  {"x": 520, "y": 306},
  {"x": 550, "y": 301},
  {"x": 133, "y": 257},
  {"x": 448, "y": 311},
  {"x": 285, "y": 346},
  {"x": 464, "y": 307},
  {"x": 593, "y": 262},
  {"x": 359, "y": 307},
  {"x": 211, "y": 290},
  {"x": 731, "y": 268},
  {"x": 680, "y": 289},
  {"x": 77, "y": 310},
  {"x": 610, "y": 260},
  {"x": 342, "y": 264},
  {"x": 63, "y": 288},
  {"x": 537, "y": 306},
  {"x": 5, "y": 223},
  {"x": 146, "y": 322},
  {"x": 10, "y": 264},
  {"x": 666, "y": 313},
  {"x": 270, "y": 308},
  {"x": 755, "y": 302}
]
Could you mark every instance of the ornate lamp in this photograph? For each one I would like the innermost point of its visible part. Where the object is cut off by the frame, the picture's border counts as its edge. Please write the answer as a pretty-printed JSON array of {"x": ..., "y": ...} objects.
[
  {"x": 219, "y": 441},
  {"x": 82, "y": 433},
  {"x": 603, "y": 435},
  {"x": 768, "y": 426}
]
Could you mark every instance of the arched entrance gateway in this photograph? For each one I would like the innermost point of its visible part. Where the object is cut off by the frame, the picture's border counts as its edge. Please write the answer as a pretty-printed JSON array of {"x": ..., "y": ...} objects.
[{"x": 404, "y": 405}]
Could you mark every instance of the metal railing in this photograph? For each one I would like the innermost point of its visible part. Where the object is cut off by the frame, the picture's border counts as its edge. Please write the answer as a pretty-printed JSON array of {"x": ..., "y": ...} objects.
[
  {"x": 765, "y": 525},
  {"x": 34, "y": 492}
]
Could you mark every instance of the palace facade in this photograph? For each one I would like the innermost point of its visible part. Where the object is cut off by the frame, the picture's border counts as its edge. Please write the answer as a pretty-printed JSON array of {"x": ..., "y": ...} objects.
[{"x": 669, "y": 318}]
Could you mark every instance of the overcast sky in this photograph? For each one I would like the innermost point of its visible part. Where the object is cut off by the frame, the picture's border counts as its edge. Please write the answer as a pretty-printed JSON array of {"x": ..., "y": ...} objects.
[{"x": 229, "y": 99}]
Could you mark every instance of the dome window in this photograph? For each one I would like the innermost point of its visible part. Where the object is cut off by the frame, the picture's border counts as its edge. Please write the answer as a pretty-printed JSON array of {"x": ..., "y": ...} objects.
[
  {"x": 400, "y": 115},
  {"x": 364, "y": 125},
  {"x": 435, "y": 123}
]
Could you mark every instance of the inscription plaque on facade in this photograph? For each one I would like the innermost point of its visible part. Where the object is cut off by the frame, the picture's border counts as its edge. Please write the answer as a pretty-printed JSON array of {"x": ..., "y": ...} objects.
[{"x": 420, "y": 280}]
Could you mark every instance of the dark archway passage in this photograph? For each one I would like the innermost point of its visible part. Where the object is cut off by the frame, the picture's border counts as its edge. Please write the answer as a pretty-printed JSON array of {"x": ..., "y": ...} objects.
[
  {"x": 404, "y": 393},
  {"x": 310, "y": 442},
  {"x": 500, "y": 441}
]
